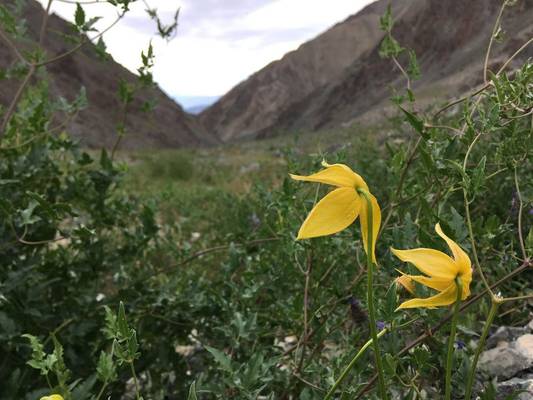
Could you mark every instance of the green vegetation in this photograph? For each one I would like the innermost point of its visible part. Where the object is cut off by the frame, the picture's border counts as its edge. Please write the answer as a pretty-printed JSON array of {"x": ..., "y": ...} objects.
[{"x": 176, "y": 274}]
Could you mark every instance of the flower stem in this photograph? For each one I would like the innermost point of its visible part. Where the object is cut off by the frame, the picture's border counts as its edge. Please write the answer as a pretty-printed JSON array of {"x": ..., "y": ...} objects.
[
  {"x": 451, "y": 340},
  {"x": 351, "y": 365},
  {"x": 370, "y": 295},
  {"x": 135, "y": 380},
  {"x": 472, "y": 373}
]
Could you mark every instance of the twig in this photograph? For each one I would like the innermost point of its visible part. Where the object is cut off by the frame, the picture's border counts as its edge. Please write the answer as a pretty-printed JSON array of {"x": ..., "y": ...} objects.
[
  {"x": 514, "y": 55},
  {"x": 303, "y": 338},
  {"x": 399, "y": 188},
  {"x": 404, "y": 73},
  {"x": 225, "y": 247},
  {"x": 84, "y": 40},
  {"x": 295, "y": 374},
  {"x": 12, "y": 46},
  {"x": 451, "y": 128},
  {"x": 469, "y": 219},
  {"x": 15, "y": 100},
  {"x": 460, "y": 100},
  {"x": 46, "y": 15},
  {"x": 494, "y": 31},
  {"x": 520, "y": 208}
]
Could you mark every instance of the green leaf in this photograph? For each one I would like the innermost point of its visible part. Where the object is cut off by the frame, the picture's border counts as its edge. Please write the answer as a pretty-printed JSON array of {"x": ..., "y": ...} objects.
[
  {"x": 390, "y": 364},
  {"x": 416, "y": 123},
  {"x": 105, "y": 368},
  {"x": 122, "y": 323},
  {"x": 221, "y": 358},
  {"x": 27, "y": 215},
  {"x": 478, "y": 176},
  {"x": 192, "y": 392},
  {"x": 79, "y": 16},
  {"x": 82, "y": 391}
]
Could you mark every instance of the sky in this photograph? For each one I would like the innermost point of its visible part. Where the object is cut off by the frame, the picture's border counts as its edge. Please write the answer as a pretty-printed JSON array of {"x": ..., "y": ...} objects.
[{"x": 219, "y": 43}]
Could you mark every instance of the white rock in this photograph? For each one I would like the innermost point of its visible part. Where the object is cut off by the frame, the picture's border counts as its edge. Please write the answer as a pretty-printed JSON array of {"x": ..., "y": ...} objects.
[
  {"x": 502, "y": 362},
  {"x": 514, "y": 385},
  {"x": 524, "y": 344}
]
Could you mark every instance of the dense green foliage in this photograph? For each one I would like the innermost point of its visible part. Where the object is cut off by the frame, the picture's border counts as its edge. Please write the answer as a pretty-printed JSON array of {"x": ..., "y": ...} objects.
[{"x": 219, "y": 270}]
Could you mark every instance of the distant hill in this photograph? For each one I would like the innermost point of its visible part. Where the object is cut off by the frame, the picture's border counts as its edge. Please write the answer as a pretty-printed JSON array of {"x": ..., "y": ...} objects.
[
  {"x": 195, "y": 110},
  {"x": 167, "y": 126},
  {"x": 339, "y": 76},
  {"x": 196, "y": 104}
]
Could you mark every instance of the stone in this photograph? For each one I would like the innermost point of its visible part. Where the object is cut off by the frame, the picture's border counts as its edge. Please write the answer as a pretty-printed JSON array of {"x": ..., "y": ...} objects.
[
  {"x": 504, "y": 334},
  {"x": 523, "y": 385},
  {"x": 524, "y": 345},
  {"x": 503, "y": 362}
]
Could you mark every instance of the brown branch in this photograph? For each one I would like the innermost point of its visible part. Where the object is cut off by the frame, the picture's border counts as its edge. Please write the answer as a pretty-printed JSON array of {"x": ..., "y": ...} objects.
[
  {"x": 460, "y": 100},
  {"x": 12, "y": 46},
  {"x": 224, "y": 247},
  {"x": 15, "y": 100},
  {"x": 398, "y": 191},
  {"x": 84, "y": 40}
]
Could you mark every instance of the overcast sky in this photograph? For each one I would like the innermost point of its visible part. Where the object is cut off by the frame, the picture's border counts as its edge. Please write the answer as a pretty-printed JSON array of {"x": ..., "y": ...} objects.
[{"x": 219, "y": 42}]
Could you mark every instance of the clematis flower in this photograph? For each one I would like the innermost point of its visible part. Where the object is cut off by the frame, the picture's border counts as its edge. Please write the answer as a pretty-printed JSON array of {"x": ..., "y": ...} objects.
[
  {"x": 52, "y": 397},
  {"x": 340, "y": 207},
  {"x": 441, "y": 271},
  {"x": 406, "y": 282}
]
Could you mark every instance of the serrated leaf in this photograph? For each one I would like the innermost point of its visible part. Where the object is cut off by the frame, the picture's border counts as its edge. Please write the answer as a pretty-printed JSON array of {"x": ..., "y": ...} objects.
[
  {"x": 122, "y": 323},
  {"x": 79, "y": 16},
  {"x": 105, "y": 368},
  {"x": 220, "y": 357},
  {"x": 192, "y": 392},
  {"x": 415, "y": 122}
]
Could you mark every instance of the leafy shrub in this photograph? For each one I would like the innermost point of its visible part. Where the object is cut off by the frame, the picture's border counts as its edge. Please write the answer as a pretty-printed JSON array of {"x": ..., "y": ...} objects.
[{"x": 245, "y": 311}]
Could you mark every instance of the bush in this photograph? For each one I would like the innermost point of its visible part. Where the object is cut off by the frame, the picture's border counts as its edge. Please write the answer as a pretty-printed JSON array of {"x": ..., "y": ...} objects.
[{"x": 103, "y": 295}]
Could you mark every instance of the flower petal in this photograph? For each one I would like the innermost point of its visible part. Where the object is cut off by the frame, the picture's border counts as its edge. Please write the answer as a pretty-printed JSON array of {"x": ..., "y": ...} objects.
[
  {"x": 336, "y": 211},
  {"x": 376, "y": 223},
  {"x": 461, "y": 258},
  {"x": 52, "y": 397},
  {"x": 336, "y": 175},
  {"x": 444, "y": 298},
  {"x": 431, "y": 262},
  {"x": 407, "y": 283},
  {"x": 439, "y": 284}
]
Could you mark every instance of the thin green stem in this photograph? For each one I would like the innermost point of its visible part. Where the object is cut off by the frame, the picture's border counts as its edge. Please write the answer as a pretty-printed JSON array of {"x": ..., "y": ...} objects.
[
  {"x": 472, "y": 373},
  {"x": 101, "y": 392},
  {"x": 469, "y": 219},
  {"x": 135, "y": 380},
  {"x": 352, "y": 363},
  {"x": 370, "y": 294},
  {"x": 520, "y": 208},
  {"x": 492, "y": 37},
  {"x": 524, "y": 297},
  {"x": 451, "y": 340}
]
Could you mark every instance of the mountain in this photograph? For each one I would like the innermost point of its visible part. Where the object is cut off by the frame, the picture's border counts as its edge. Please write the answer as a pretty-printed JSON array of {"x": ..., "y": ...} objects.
[
  {"x": 167, "y": 126},
  {"x": 196, "y": 104},
  {"x": 339, "y": 77}
]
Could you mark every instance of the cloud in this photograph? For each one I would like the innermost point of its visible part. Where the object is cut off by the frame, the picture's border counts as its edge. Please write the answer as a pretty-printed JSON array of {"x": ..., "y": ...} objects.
[{"x": 219, "y": 42}]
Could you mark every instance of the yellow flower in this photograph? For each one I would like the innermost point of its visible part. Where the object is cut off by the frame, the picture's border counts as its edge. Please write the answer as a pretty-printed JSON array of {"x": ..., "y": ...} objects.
[
  {"x": 407, "y": 283},
  {"x": 340, "y": 207},
  {"x": 441, "y": 271},
  {"x": 52, "y": 397}
]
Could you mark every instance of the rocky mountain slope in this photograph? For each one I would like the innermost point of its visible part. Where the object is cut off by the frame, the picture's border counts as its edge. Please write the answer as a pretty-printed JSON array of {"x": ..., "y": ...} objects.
[
  {"x": 339, "y": 76},
  {"x": 167, "y": 126}
]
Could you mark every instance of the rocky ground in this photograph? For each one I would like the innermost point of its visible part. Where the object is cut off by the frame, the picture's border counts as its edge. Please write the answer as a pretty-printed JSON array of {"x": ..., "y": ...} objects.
[{"x": 508, "y": 358}]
